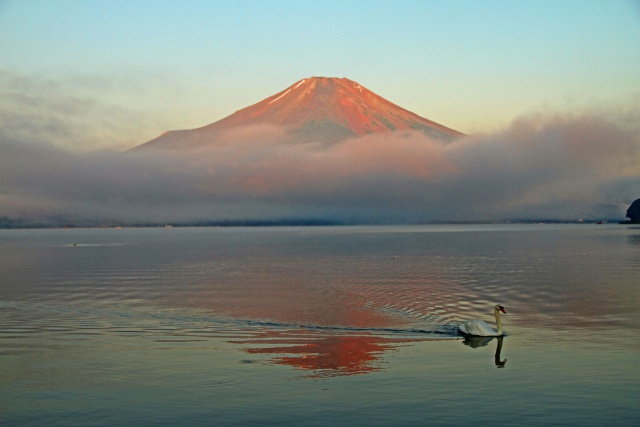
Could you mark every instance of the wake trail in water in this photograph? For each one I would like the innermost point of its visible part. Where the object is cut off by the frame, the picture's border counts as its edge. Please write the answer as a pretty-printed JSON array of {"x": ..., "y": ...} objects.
[
  {"x": 441, "y": 331},
  {"x": 102, "y": 321}
]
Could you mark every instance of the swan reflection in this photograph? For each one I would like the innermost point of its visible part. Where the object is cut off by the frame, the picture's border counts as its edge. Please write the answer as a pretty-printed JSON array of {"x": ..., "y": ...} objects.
[{"x": 476, "y": 342}]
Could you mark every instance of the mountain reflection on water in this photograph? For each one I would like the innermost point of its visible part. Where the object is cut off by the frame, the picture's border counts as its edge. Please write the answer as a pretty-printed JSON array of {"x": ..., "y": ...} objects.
[{"x": 326, "y": 355}]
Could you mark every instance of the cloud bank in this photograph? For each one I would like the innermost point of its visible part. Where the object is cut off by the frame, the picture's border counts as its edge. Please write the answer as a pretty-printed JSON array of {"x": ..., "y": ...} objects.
[{"x": 542, "y": 167}]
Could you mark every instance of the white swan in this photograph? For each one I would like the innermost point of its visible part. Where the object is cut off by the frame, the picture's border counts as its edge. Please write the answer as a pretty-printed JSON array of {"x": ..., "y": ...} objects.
[{"x": 478, "y": 328}]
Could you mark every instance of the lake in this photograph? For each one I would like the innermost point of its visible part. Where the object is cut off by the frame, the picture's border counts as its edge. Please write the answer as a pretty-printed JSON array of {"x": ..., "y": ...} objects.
[{"x": 320, "y": 326}]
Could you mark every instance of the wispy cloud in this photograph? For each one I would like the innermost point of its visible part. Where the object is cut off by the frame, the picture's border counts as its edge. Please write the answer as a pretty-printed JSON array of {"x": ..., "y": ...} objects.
[{"x": 79, "y": 113}]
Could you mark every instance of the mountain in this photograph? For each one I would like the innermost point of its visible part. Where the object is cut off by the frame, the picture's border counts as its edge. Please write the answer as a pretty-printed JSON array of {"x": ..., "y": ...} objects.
[{"x": 316, "y": 109}]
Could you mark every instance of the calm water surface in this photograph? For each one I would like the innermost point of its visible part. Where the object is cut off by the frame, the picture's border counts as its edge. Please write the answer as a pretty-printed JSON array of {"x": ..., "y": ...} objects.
[{"x": 319, "y": 326}]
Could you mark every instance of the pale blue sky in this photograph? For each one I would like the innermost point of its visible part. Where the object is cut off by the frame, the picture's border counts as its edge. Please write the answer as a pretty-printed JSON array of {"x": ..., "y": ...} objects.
[{"x": 474, "y": 66}]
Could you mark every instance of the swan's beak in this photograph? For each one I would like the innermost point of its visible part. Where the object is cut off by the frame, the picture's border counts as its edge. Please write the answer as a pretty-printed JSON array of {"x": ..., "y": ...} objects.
[{"x": 503, "y": 310}]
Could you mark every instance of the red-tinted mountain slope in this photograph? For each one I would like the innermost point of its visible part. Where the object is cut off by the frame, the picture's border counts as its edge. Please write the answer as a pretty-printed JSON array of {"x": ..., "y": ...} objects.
[{"x": 319, "y": 109}]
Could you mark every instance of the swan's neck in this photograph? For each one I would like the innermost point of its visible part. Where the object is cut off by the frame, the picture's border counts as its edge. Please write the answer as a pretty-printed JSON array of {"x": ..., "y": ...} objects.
[{"x": 498, "y": 322}]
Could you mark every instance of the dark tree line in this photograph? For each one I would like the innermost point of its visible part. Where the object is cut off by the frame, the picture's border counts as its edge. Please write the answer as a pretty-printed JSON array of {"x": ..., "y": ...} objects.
[{"x": 633, "y": 213}]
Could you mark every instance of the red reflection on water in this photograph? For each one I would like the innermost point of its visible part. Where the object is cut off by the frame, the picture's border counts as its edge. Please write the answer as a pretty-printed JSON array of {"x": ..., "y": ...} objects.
[{"x": 327, "y": 355}]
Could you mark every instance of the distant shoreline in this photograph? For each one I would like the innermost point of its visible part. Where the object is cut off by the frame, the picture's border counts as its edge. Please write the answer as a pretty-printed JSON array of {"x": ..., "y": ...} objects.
[{"x": 9, "y": 224}]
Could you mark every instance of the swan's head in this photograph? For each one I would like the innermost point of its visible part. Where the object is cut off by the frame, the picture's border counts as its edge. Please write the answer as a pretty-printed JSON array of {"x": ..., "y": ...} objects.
[{"x": 498, "y": 307}]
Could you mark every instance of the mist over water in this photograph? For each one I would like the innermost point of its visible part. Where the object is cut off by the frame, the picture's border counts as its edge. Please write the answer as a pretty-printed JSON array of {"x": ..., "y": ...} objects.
[{"x": 542, "y": 167}]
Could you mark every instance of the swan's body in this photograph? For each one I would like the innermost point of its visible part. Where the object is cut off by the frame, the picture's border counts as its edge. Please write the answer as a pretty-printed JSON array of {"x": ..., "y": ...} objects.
[{"x": 478, "y": 328}]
